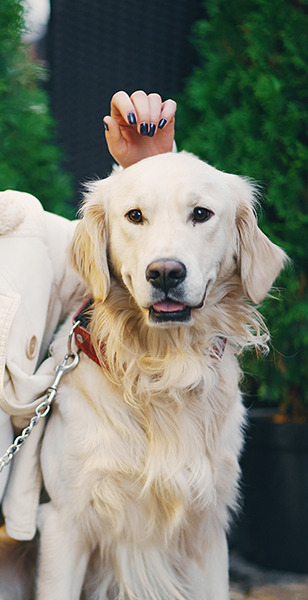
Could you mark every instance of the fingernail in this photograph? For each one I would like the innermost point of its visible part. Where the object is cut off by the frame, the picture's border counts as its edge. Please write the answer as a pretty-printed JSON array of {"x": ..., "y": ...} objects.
[
  {"x": 105, "y": 126},
  {"x": 144, "y": 129},
  {"x": 162, "y": 123},
  {"x": 152, "y": 130},
  {"x": 132, "y": 118}
]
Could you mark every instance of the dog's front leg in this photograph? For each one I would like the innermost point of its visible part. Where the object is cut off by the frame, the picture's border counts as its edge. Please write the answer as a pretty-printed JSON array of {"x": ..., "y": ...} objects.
[
  {"x": 64, "y": 555},
  {"x": 215, "y": 575}
]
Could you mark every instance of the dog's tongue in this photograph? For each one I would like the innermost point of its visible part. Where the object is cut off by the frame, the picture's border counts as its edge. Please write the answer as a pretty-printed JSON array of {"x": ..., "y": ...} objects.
[{"x": 168, "y": 306}]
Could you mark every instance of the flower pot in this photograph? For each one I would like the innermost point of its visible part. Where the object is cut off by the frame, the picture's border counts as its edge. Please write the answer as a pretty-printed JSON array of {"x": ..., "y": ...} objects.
[{"x": 273, "y": 526}]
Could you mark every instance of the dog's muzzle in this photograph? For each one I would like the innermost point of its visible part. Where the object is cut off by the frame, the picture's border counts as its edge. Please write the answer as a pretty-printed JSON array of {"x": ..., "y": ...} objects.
[{"x": 165, "y": 276}]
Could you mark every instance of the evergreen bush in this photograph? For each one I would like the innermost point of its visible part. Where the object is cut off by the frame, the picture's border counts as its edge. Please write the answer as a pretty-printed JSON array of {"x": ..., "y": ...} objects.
[
  {"x": 29, "y": 157},
  {"x": 245, "y": 110}
]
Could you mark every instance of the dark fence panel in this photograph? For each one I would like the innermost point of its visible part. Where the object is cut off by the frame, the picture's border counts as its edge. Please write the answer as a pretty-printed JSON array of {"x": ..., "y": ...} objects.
[{"x": 96, "y": 47}]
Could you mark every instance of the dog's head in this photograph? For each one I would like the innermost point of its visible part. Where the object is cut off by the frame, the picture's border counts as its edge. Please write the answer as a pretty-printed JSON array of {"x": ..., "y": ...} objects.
[{"x": 168, "y": 228}]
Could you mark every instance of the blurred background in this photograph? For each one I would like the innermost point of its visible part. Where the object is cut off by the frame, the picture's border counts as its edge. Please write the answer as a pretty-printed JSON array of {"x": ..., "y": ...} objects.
[
  {"x": 94, "y": 48},
  {"x": 239, "y": 72}
]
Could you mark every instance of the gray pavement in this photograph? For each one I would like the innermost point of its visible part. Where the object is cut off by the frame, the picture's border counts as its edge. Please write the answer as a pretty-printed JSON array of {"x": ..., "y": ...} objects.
[{"x": 251, "y": 582}]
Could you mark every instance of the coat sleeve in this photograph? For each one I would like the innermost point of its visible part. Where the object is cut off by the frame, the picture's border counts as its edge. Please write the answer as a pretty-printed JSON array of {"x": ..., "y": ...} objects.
[
  {"x": 37, "y": 288},
  {"x": 29, "y": 302}
]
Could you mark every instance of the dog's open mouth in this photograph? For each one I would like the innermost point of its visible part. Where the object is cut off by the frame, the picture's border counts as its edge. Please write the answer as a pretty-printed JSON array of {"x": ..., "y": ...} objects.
[{"x": 169, "y": 310}]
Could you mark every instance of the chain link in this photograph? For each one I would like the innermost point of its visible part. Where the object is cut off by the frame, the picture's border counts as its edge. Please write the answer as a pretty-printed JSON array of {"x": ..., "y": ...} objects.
[{"x": 69, "y": 363}]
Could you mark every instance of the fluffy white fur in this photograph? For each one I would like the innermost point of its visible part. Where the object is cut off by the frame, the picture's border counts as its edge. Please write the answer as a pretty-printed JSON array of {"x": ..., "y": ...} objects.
[{"x": 141, "y": 459}]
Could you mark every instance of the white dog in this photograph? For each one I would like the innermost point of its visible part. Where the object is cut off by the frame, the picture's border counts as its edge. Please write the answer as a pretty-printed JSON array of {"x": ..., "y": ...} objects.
[{"x": 140, "y": 456}]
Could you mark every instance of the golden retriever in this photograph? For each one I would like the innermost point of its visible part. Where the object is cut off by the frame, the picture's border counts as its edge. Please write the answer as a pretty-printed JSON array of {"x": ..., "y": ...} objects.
[{"x": 140, "y": 456}]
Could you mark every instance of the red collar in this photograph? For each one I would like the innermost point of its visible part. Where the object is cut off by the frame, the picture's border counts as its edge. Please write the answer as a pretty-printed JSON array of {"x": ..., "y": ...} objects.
[
  {"x": 218, "y": 348},
  {"x": 82, "y": 334},
  {"x": 83, "y": 337}
]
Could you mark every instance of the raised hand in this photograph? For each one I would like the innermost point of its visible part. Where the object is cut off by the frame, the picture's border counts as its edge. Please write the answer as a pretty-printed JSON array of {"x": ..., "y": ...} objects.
[{"x": 139, "y": 126}]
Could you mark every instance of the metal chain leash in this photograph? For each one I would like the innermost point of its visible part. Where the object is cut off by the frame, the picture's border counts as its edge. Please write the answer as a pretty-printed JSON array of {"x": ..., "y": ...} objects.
[{"x": 69, "y": 363}]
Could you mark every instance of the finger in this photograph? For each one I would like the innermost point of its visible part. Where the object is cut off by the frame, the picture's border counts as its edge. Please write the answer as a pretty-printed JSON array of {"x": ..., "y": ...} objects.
[
  {"x": 121, "y": 106},
  {"x": 142, "y": 110},
  {"x": 167, "y": 113},
  {"x": 155, "y": 104}
]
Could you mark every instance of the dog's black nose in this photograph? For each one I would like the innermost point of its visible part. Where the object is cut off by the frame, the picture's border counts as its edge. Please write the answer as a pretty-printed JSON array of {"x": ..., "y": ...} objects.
[{"x": 165, "y": 274}]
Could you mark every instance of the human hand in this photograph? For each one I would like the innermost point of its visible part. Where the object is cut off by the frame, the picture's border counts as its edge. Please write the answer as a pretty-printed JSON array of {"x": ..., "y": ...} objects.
[{"x": 139, "y": 126}]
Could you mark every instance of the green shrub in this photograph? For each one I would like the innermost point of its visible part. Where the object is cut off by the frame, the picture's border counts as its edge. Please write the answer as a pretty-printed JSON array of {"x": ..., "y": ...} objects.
[
  {"x": 245, "y": 110},
  {"x": 29, "y": 158}
]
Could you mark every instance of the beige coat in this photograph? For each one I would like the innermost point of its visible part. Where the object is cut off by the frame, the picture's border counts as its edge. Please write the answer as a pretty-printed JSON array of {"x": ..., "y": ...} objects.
[{"x": 37, "y": 290}]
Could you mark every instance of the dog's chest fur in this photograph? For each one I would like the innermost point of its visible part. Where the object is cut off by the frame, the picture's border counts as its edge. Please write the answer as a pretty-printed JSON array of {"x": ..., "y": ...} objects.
[{"x": 143, "y": 473}]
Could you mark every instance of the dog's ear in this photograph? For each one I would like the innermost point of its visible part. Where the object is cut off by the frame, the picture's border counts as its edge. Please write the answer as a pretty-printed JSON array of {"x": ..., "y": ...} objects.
[
  {"x": 89, "y": 245},
  {"x": 259, "y": 260}
]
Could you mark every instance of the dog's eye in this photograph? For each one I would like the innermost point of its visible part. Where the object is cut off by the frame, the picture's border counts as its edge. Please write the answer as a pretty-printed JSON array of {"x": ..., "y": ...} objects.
[
  {"x": 135, "y": 215},
  {"x": 200, "y": 214}
]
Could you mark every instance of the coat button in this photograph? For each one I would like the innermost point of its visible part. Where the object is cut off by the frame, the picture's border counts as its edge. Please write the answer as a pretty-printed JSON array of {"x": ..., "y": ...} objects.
[{"x": 31, "y": 349}]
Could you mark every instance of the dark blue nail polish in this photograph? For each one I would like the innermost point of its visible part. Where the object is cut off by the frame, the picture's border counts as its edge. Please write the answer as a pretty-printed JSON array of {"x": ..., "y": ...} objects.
[
  {"x": 162, "y": 123},
  {"x": 152, "y": 130},
  {"x": 144, "y": 129},
  {"x": 105, "y": 126},
  {"x": 132, "y": 118}
]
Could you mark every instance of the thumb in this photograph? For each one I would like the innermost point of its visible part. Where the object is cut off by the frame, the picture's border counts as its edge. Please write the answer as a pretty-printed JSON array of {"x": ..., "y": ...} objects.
[{"x": 115, "y": 142}]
